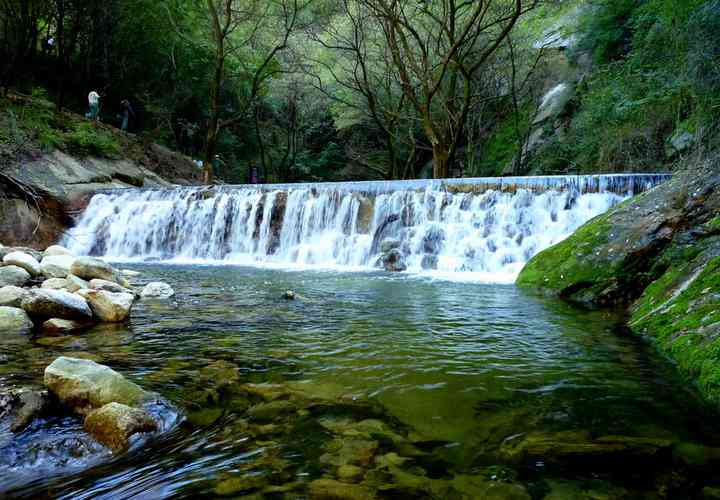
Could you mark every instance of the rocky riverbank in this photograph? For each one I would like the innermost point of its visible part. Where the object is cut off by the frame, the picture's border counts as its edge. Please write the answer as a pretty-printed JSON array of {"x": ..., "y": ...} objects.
[{"x": 658, "y": 256}]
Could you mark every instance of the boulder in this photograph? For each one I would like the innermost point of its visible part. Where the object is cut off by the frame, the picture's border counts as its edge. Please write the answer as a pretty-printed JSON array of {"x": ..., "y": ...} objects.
[
  {"x": 84, "y": 385},
  {"x": 128, "y": 273},
  {"x": 74, "y": 283},
  {"x": 90, "y": 268},
  {"x": 13, "y": 319},
  {"x": 11, "y": 296},
  {"x": 55, "y": 284},
  {"x": 44, "y": 303},
  {"x": 389, "y": 244},
  {"x": 58, "y": 326},
  {"x": 24, "y": 405},
  {"x": 157, "y": 289},
  {"x": 108, "y": 286},
  {"x": 30, "y": 251},
  {"x": 108, "y": 307},
  {"x": 13, "y": 276},
  {"x": 57, "y": 266},
  {"x": 393, "y": 261},
  {"x": 114, "y": 423},
  {"x": 24, "y": 261},
  {"x": 57, "y": 250}
]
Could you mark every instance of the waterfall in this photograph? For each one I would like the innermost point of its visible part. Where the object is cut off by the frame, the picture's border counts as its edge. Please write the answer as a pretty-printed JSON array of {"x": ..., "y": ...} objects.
[{"x": 486, "y": 228}]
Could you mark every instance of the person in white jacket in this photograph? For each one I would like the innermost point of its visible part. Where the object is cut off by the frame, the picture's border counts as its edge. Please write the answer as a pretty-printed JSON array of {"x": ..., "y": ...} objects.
[{"x": 94, "y": 102}]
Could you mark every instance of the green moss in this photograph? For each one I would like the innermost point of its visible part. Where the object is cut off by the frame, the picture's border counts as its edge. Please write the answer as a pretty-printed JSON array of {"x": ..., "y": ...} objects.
[
  {"x": 568, "y": 262},
  {"x": 681, "y": 313}
]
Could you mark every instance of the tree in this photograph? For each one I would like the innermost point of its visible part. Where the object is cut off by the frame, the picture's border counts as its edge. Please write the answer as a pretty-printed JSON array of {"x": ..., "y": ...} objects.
[{"x": 437, "y": 49}]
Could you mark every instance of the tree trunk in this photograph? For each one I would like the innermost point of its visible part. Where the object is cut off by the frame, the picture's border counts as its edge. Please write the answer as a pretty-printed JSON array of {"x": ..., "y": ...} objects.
[{"x": 441, "y": 161}]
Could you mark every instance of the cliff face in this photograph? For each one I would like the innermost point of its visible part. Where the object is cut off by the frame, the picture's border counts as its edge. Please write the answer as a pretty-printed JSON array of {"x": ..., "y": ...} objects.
[
  {"x": 53, "y": 187},
  {"x": 657, "y": 254}
]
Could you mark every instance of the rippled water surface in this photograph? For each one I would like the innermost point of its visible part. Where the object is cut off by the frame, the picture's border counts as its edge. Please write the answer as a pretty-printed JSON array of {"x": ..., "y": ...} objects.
[{"x": 456, "y": 369}]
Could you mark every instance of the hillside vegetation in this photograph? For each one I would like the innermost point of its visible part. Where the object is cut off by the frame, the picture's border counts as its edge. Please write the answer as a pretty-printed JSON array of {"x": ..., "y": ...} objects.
[{"x": 290, "y": 90}]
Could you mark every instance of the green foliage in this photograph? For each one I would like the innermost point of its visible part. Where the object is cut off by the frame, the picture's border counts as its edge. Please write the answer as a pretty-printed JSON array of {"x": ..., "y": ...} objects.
[{"x": 88, "y": 139}]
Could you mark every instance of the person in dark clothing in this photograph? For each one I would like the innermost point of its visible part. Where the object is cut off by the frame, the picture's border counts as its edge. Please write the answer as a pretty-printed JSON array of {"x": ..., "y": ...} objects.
[{"x": 127, "y": 112}]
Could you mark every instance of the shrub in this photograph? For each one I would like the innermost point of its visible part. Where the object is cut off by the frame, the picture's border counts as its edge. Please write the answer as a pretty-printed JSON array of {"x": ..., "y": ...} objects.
[{"x": 86, "y": 139}]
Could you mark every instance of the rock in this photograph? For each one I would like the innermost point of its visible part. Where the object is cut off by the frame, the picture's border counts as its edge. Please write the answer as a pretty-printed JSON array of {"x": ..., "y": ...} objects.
[
  {"x": 429, "y": 261},
  {"x": 57, "y": 266},
  {"x": 680, "y": 142},
  {"x": 11, "y": 296},
  {"x": 45, "y": 303},
  {"x": 109, "y": 286},
  {"x": 237, "y": 484},
  {"x": 24, "y": 261},
  {"x": 57, "y": 326},
  {"x": 157, "y": 289},
  {"x": 74, "y": 283},
  {"x": 89, "y": 268},
  {"x": 389, "y": 244},
  {"x": 365, "y": 215},
  {"x": 113, "y": 424},
  {"x": 57, "y": 250},
  {"x": 329, "y": 489},
  {"x": 264, "y": 412},
  {"x": 13, "y": 276},
  {"x": 393, "y": 261},
  {"x": 128, "y": 273},
  {"x": 289, "y": 295},
  {"x": 84, "y": 385},
  {"x": 13, "y": 319},
  {"x": 342, "y": 451},
  {"x": 30, "y": 251},
  {"x": 25, "y": 405},
  {"x": 55, "y": 284},
  {"x": 108, "y": 307},
  {"x": 433, "y": 240},
  {"x": 554, "y": 102}
]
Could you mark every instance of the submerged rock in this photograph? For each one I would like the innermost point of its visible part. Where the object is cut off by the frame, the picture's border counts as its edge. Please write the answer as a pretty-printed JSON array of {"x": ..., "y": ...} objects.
[
  {"x": 84, "y": 385},
  {"x": 57, "y": 326},
  {"x": 44, "y": 303},
  {"x": 157, "y": 289},
  {"x": 114, "y": 423},
  {"x": 330, "y": 489},
  {"x": 57, "y": 266},
  {"x": 394, "y": 261},
  {"x": 289, "y": 295},
  {"x": 24, "y": 406},
  {"x": 13, "y": 319},
  {"x": 11, "y": 296},
  {"x": 13, "y": 276},
  {"x": 107, "y": 306},
  {"x": 24, "y": 261},
  {"x": 265, "y": 412}
]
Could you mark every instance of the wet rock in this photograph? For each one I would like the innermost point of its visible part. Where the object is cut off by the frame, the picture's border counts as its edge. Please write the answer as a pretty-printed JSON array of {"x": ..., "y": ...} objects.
[
  {"x": 349, "y": 451},
  {"x": 24, "y": 261},
  {"x": 89, "y": 268},
  {"x": 113, "y": 424},
  {"x": 11, "y": 296},
  {"x": 289, "y": 295},
  {"x": 58, "y": 326},
  {"x": 74, "y": 283},
  {"x": 265, "y": 412},
  {"x": 55, "y": 284},
  {"x": 237, "y": 484},
  {"x": 57, "y": 250},
  {"x": 579, "y": 449},
  {"x": 15, "y": 320},
  {"x": 13, "y": 276},
  {"x": 57, "y": 266},
  {"x": 24, "y": 406},
  {"x": 30, "y": 251},
  {"x": 108, "y": 307},
  {"x": 380, "y": 232},
  {"x": 330, "y": 489},
  {"x": 109, "y": 286},
  {"x": 157, "y": 289},
  {"x": 43, "y": 303},
  {"x": 84, "y": 385},
  {"x": 433, "y": 240},
  {"x": 389, "y": 244},
  {"x": 365, "y": 215},
  {"x": 393, "y": 261},
  {"x": 128, "y": 273}
]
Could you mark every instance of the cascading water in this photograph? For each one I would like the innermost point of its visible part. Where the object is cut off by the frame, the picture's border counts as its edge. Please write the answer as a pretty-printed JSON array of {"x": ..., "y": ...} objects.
[{"x": 484, "y": 228}]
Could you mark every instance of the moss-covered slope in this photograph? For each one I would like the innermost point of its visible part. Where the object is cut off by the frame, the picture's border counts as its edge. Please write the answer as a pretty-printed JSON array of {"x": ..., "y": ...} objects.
[{"x": 659, "y": 255}]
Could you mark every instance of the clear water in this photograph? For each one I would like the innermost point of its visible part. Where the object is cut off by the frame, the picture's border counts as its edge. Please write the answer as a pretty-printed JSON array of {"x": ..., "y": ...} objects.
[{"x": 455, "y": 367}]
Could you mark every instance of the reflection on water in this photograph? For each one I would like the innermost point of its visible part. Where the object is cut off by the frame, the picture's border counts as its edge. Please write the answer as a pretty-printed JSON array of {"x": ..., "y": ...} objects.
[{"x": 443, "y": 372}]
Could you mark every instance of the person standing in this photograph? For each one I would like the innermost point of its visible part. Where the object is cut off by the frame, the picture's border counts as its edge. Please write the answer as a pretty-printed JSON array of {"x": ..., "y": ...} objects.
[
  {"x": 94, "y": 102},
  {"x": 127, "y": 112}
]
